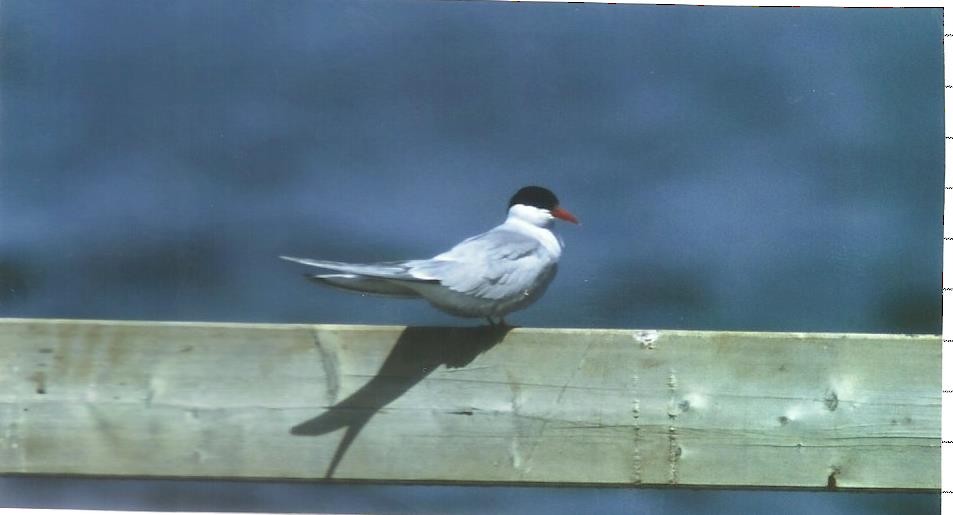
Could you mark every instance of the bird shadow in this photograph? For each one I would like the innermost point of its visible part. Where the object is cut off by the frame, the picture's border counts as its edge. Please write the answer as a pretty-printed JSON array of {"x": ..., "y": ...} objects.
[{"x": 417, "y": 352}]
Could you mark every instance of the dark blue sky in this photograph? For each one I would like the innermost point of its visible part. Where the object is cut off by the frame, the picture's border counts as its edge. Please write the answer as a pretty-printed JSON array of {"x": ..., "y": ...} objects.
[{"x": 734, "y": 168}]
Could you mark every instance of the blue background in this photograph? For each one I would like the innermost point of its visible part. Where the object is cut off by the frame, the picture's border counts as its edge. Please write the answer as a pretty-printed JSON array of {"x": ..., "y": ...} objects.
[{"x": 734, "y": 168}]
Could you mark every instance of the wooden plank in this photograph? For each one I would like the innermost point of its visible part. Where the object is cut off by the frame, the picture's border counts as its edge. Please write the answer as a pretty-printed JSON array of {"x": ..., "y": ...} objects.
[{"x": 565, "y": 406}]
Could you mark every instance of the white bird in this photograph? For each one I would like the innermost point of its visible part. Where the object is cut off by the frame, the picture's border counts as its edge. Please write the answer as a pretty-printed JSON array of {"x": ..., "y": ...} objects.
[{"x": 489, "y": 275}]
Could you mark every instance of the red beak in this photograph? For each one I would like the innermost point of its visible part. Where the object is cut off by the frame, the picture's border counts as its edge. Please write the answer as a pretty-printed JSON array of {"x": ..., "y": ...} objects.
[{"x": 562, "y": 214}]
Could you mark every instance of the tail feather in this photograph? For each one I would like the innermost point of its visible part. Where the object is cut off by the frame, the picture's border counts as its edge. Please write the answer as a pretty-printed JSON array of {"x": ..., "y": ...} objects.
[
  {"x": 364, "y": 284},
  {"x": 399, "y": 270}
]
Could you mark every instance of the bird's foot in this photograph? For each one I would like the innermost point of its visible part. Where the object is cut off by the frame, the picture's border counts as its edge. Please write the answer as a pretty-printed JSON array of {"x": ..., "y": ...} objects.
[{"x": 502, "y": 324}]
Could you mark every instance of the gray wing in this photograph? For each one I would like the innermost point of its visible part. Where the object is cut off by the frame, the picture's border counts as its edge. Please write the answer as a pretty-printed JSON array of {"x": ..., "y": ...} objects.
[{"x": 493, "y": 265}]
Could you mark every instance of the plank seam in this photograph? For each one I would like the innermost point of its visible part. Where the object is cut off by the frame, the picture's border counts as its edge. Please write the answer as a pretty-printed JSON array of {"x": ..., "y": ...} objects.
[
  {"x": 674, "y": 450},
  {"x": 636, "y": 452}
]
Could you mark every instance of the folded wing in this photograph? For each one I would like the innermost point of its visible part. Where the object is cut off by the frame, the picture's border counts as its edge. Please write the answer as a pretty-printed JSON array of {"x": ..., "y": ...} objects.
[{"x": 494, "y": 265}]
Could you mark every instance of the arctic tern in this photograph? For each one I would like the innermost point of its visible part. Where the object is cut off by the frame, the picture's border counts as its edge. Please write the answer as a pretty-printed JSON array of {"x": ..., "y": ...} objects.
[{"x": 487, "y": 276}]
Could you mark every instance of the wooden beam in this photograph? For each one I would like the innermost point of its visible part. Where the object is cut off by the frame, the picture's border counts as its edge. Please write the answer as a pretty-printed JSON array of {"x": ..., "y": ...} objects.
[{"x": 564, "y": 406}]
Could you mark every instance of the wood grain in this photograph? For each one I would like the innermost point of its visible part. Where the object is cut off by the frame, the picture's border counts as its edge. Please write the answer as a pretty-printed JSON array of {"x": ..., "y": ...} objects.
[{"x": 564, "y": 406}]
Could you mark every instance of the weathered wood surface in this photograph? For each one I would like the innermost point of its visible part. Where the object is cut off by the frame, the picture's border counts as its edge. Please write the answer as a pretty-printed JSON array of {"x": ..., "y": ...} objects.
[{"x": 438, "y": 404}]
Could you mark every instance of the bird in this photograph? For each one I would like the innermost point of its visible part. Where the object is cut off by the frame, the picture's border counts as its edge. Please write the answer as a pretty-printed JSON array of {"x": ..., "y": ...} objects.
[{"x": 486, "y": 276}]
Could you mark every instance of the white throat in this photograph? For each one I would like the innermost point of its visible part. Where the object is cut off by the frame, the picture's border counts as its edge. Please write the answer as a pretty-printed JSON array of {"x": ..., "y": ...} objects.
[{"x": 536, "y": 223}]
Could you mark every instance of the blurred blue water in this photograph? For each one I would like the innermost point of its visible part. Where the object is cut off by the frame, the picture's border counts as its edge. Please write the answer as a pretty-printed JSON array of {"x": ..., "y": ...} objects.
[{"x": 734, "y": 168}]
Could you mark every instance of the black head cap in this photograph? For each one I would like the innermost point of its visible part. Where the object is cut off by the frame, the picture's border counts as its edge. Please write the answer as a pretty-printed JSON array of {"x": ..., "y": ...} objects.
[{"x": 535, "y": 196}]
